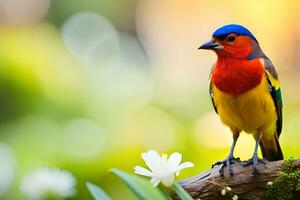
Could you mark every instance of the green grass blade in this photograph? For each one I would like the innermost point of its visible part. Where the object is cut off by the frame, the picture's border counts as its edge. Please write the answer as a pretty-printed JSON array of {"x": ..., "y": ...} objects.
[
  {"x": 183, "y": 195},
  {"x": 97, "y": 192},
  {"x": 142, "y": 188}
]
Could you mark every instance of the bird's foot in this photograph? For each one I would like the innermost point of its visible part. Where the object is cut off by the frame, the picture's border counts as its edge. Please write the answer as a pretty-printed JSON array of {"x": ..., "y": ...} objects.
[
  {"x": 254, "y": 161},
  {"x": 226, "y": 163}
]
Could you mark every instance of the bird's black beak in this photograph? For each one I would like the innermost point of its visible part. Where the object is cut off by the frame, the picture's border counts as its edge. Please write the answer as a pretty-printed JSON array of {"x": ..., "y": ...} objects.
[{"x": 210, "y": 45}]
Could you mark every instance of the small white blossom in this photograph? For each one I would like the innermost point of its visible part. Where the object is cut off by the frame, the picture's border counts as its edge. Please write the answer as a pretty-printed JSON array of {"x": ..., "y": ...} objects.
[
  {"x": 235, "y": 197},
  {"x": 47, "y": 183},
  {"x": 162, "y": 168},
  {"x": 223, "y": 192},
  {"x": 269, "y": 183},
  {"x": 228, "y": 188}
]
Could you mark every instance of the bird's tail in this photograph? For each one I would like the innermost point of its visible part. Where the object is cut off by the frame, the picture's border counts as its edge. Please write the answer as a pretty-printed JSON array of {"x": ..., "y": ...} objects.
[{"x": 270, "y": 149}]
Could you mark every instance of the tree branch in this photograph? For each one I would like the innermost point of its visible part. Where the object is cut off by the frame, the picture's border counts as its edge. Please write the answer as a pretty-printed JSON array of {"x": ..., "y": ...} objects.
[{"x": 209, "y": 184}]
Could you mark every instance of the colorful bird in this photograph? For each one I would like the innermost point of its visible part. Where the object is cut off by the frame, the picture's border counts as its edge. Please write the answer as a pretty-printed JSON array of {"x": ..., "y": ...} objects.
[{"x": 245, "y": 92}]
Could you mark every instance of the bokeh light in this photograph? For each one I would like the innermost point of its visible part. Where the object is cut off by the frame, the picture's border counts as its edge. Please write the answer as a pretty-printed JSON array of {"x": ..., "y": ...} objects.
[
  {"x": 16, "y": 12},
  {"x": 85, "y": 33},
  {"x": 81, "y": 149},
  {"x": 216, "y": 136},
  {"x": 8, "y": 166}
]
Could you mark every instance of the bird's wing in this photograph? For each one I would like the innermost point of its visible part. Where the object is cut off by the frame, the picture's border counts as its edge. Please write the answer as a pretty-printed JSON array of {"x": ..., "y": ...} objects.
[
  {"x": 275, "y": 91},
  {"x": 211, "y": 91}
]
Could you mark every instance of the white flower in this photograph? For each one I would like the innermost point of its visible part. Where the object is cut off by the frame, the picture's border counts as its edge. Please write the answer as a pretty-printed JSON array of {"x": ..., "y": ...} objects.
[
  {"x": 269, "y": 183},
  {"x": 163, "y": 169},
  {"x": 235, "y": 197},
  {"x": 47, "y": 183},
  {"x": 223, "y": 192},
  {"x": 228, "y": 188}
]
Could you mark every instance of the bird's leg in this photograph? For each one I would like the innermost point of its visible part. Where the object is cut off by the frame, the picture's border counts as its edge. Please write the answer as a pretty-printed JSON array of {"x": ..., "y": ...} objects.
[
  {"x": 229, "y": 159},
  {"x": 255, "y": 159}
]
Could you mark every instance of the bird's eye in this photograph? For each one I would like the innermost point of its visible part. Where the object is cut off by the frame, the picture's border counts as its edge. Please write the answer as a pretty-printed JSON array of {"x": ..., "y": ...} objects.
[{"x": 231, "y": 38}]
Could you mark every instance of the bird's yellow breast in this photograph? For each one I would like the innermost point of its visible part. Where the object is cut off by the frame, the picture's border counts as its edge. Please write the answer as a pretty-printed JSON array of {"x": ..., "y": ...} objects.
[{"x": 249, "y": 111}]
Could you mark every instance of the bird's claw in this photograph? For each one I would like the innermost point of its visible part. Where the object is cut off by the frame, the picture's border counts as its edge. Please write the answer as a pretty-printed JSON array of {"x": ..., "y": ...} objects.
[
  {"x": 226, "y": 163},
  {"x": 254, "y": 161}
]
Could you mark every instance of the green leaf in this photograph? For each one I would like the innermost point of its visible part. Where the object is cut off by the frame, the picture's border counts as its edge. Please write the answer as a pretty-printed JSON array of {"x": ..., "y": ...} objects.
[
  {"x": 142, "y": 189},
  {"x": 183, "y": 195},
  {"x": 97, "y": 192}
]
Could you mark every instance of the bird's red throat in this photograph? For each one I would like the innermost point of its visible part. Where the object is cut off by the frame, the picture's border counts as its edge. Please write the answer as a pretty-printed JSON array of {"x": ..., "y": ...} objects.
[{"x": 234, "y": 76}]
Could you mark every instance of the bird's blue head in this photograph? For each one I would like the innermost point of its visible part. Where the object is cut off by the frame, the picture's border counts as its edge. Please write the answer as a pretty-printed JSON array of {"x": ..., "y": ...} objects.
[
  {"x": 233, "y": 41},
  {"x": 233, "y": 28}
]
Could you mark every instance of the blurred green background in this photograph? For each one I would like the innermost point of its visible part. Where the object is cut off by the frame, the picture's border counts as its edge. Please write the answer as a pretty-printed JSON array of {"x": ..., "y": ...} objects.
[{"x": 87, "y": 85}]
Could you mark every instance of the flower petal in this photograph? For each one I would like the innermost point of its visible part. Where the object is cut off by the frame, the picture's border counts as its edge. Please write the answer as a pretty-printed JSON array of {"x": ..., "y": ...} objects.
[
  {"x": 142, "y": 171},
  {"x": 155, "y": 181},
  {"x": 174, "y": 159},
  {"x": 183, "y": 166},
  {"x": 169, "y": 180},
  {"x": 152, "y": 160},
  {"x": 223, "y": 192},
  {"x": 228, "y": 188}
]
